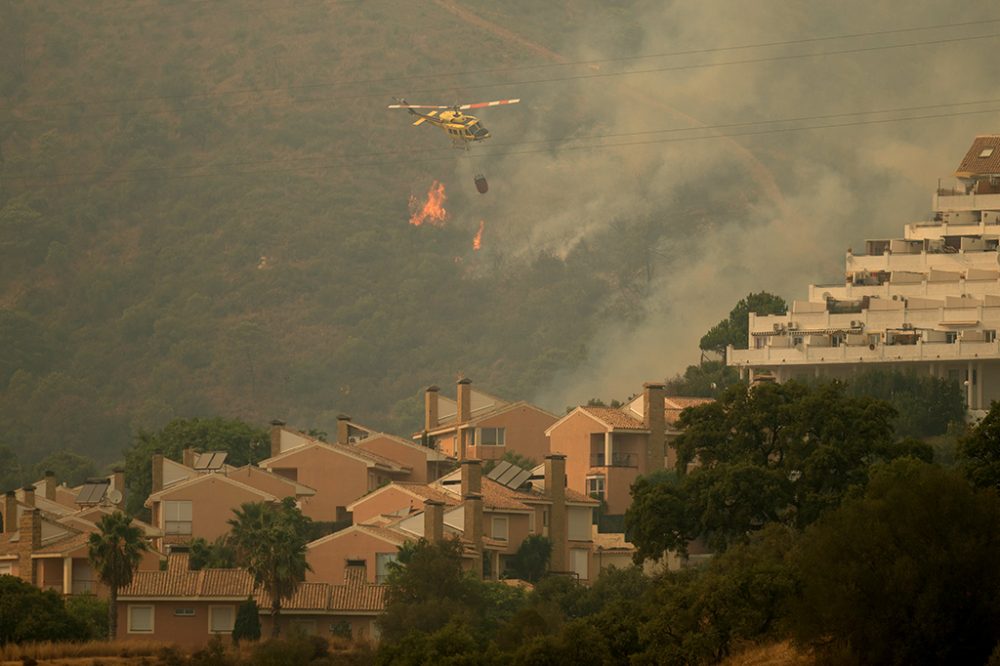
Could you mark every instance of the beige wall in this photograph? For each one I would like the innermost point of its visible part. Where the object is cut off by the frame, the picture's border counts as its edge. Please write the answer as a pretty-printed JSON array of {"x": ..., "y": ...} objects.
[
  {"x": 524, "y": 434},
  {"x": 517, "y": 528},
  {"x": 388, "y": 500},
  {"x": 329, "y": 558},
  {"x": 261, "y": 480},
  {"x": 212, "y": 504},
  {"x": 572, "y": 438},
  {"x": 338, "y": 479},
  {"x": 187, "y": 631},
  {"x": 399, "y": 452}
]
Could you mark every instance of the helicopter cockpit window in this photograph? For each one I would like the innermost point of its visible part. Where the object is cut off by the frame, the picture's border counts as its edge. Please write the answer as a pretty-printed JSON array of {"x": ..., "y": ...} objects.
[{"x": 477, "y": 129}]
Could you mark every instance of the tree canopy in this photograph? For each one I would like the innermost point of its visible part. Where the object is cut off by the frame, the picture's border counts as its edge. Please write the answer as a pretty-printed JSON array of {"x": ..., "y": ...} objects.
[
  {"x": 240, "y": 440},
  {"x": 979, "y": 450},
  {"x": 115, "y": 551},
  {"x": 270, "y": 542},
  {"x": 905, "y": 574},
  {"x": 775, "y": 453},
  {"x": 735, "y": 329}
]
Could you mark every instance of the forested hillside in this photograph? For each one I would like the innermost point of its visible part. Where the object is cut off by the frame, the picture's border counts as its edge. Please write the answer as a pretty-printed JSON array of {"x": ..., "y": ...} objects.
[{"x": 201, "y": 215}]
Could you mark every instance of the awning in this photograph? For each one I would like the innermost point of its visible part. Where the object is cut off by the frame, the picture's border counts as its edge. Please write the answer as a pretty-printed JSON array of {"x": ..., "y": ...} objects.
[{"x": 966, "y": 322}]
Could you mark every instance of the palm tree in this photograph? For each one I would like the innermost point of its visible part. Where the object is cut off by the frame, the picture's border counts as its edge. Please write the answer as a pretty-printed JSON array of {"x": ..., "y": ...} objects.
[
  {"x": 115, "y": 551},
  {"x": 270, "y": 540}
]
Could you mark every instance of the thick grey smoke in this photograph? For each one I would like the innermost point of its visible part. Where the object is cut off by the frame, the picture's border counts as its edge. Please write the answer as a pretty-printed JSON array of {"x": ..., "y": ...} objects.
[{"x": 808, "y": 195}]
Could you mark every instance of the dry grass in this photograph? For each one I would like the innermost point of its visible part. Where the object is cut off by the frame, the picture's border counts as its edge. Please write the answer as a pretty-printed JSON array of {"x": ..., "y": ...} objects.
[
  {"x": 776, "y": 654},
  {"x": 48, "y": 651}
]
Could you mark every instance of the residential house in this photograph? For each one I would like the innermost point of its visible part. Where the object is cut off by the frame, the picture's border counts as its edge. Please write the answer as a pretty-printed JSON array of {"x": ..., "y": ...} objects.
[
  {"x": 491, "y": 518},
  {"x": 341, "y": 473},
  {"x": 608, "y": 448},
  {"x": 189, "y": 607},
  {"x": 480, "y": 426},
  {"x": 196, "y": 497},
  {"x": 425, "y": 463},
  {"x": 51, "y": 551}
]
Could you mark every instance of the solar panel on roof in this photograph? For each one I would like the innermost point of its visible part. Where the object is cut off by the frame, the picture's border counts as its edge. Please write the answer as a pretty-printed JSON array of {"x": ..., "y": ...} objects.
[
  {"x": 499, "y": 469},
  {"x": 519, "y": 480},
  {"x": 211, "y": 460},
  {"x": 92, "y": 492},
  {"x": 508, "y": 476}
]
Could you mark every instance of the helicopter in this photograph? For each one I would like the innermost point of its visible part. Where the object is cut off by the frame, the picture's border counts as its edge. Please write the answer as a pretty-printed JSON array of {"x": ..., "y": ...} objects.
[{"x": 463, "y": 129}]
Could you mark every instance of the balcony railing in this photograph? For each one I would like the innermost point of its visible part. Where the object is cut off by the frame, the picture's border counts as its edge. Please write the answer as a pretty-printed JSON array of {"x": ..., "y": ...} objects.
[{"x": 617, "y": 460}]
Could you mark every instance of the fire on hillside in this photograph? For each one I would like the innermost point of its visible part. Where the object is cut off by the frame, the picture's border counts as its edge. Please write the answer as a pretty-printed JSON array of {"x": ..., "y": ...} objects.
[{"x": 432, "y": 210}]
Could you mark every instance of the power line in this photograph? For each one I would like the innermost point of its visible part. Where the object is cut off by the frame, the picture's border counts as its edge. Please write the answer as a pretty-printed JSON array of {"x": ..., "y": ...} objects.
[
  {"x": 593, "y": 137},
  {"x": 499, "y": 70},
  {"x": 351, "y": 160}
]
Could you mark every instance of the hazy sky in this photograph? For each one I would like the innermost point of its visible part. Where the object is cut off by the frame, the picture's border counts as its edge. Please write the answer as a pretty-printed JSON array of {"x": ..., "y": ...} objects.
[{"x": 810, "y": 194}]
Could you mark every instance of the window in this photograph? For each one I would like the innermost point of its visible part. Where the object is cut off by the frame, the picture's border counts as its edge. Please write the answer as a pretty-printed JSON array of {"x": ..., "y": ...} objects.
[
  {"x": 579, "y": 521},
  {"x": 595, "y": 486},
  {"x": 986, "y": 152},
  {"x": 304, "y": 627},
  {"x": 177, "y": 517},
  {"x": 491, "y": 436},
  {"x": 499, "y": 531},
  {"x": 469, "y": 437},
  {"x": 531, "y": 522},
  {"x": 184, "y": 612},
  {"x": 140, "y": 619},
  {"x": 221, "y": 619},
  {"x": 382, "y": 561},
  {"x": 578, "y": 560}
]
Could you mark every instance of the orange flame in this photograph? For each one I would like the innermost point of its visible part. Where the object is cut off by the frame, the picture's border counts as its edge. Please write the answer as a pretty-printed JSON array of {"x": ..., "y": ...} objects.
[
  {"x": 432, "y": 210},
  {"x": 477, "y": 242}
]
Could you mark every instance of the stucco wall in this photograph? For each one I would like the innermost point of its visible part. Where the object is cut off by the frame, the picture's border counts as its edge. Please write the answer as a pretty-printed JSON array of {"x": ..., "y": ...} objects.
[
  {"x": 329, "y": 557},
  {"x": 401, "y": 453}
]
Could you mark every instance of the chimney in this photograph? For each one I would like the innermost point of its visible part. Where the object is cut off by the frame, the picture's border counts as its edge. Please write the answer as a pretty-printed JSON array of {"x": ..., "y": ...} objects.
[
  {"x": 29, "y": 495},
  {"x": 118, "y": 481},
  {"x": 464, "y": 399},
  {"x": 343, "y": 429},
  {"x": 654, "y": 418},
  {"x": 188, "y": 457},
  {"x": 431, "y": 407},
  {"x": 157, "y": 472},
  {"x": 472, "y": 476},
  {"x": 555, "y": 488},
  {"x": 29, "y": 540},
  {"x": 474, "y": 527},
  {"x": 10, "y": 512},
  {"x": 50, "y": 485},
  {"x": 276, "y": 426},
  {"x": 434, "y": 520}
]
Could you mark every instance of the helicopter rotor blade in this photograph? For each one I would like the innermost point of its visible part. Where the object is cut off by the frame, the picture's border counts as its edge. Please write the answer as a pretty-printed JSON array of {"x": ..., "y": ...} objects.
[
  {"x": 480, "y": 105},
  {"x": 416, "y": 106}
]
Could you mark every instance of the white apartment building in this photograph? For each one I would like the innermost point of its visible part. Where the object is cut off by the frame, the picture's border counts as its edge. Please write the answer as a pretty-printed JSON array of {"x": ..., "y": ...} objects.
[{"x": 928, "y": 302}]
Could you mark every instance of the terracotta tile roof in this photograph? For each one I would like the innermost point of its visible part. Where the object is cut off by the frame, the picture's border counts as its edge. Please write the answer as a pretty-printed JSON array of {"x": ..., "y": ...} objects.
[
  {"x": 237, "y": 583},
  {"x": 308, "y": 596},
  {"x": 499, "y": 497},
  {"x": 357, "y": 598},
  {"x": 579, "y": 498},
  {"x": 674, "y": 405},
  {"x": 615, "y": 418},
  {"x": 162, "y": 584},
  {"x": 429, "y": 492},
  {"x": 974, "y": 165},
  {"x": 225, "y": 583},
  {"x": 353, "y": 596}
]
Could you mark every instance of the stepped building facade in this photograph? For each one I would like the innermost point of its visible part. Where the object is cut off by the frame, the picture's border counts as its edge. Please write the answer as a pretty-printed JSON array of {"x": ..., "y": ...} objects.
[{"x": 928, "y": 302}]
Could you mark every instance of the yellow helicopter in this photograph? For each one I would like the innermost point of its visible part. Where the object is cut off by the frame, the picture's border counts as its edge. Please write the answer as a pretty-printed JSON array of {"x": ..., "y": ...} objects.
[{"x": 463, "y": 129}]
